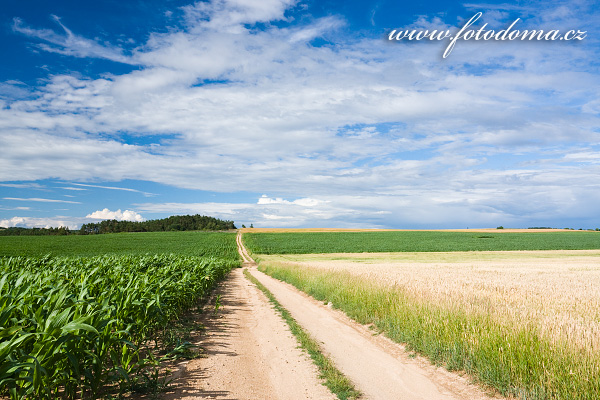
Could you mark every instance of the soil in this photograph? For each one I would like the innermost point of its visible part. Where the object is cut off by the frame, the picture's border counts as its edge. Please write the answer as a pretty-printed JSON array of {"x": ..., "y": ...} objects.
[
  {"x": 250, "y": 353},
  {"x": 380, "y": 368}
]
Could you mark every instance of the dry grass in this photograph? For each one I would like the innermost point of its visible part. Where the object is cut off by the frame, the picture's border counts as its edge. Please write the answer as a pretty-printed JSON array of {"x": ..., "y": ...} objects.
[
  {"x": 555, "y": 290},
  {"x": 525, "y": 323}
]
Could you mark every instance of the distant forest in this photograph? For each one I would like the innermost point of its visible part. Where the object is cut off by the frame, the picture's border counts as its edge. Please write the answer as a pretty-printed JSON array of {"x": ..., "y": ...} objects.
[{"x": 173, "y": 223}]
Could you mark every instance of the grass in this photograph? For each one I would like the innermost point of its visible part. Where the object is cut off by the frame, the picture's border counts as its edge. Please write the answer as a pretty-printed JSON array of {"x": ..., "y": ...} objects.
[
  {"x": 337, "y": 383},
  {"x": 218, "y": 244},
  {"x": 416, "y": 241},
  {"x": 555, "y": 290},
  {"x": 515, "y": 359}
]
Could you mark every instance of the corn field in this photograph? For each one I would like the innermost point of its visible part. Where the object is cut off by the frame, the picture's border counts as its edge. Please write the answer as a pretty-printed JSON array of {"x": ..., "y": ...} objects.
[{"x": 75, "y": 327}]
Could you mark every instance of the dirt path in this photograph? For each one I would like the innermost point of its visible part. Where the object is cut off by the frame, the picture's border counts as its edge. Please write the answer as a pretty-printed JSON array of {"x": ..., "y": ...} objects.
[
  {"x": 379, "y": 368},
  {"x": 247, "y": 260},
  {"x": 250, "y": 351},
  {"x": 251, "y": 354}
]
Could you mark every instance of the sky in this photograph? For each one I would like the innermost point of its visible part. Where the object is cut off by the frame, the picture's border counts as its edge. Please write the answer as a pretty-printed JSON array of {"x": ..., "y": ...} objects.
[{"x": 291, "y": 113}]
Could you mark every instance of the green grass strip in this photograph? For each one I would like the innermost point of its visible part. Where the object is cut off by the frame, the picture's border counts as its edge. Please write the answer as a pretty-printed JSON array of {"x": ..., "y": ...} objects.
[{"x": 337, "y": 383}]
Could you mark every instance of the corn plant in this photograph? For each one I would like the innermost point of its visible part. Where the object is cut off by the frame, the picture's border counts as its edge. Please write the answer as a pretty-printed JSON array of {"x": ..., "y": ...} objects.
[{"x": 71, "y": 327}]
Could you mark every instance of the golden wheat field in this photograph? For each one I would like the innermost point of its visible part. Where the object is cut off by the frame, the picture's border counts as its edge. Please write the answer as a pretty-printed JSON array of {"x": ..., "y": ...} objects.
[{"x": 558, "y": 291}]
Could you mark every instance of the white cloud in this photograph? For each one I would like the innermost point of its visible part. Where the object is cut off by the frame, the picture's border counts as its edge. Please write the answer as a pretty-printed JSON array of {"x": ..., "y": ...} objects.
[
  {"x": 265, "y": 212},
  {"x": 69, "y": 221},
  {"x": 322, "y": 27},
  {"x": 277, "y": 217},
  {"x": 30, "y": 185},
  {"x": 228, "y": 210},
  {"x": 15, "y": 208},
  {"x": 70, "y": 44},
  {"x": 304, "y": 202},
  {"x": 40, "y": 200},
  {"x": 110, "y": 188},
  {"x": 30, "y": 222},
  {"x": 119, "y": 215},
  {"x": 343, "y": 129},
  {"x": 592, "y": 157},
  {"x": 231, "y": 15},
  {"x": 15, "y": 221}
]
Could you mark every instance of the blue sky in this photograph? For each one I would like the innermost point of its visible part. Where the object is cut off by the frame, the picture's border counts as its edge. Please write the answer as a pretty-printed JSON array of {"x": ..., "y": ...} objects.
[{"x": 287, "y": 113}]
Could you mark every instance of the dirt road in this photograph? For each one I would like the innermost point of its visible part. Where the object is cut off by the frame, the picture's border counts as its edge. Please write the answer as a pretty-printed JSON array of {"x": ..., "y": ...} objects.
[
  {"x": 252, "y": 355},
  {"x": 378, "y": 367}
]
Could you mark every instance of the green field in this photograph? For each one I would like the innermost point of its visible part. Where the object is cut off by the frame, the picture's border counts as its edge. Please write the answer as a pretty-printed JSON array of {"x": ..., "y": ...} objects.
[
  {"x": 416, "y": 241},
  {"x": 92, "y": 316},
  {"x": 218, "y": 244}
]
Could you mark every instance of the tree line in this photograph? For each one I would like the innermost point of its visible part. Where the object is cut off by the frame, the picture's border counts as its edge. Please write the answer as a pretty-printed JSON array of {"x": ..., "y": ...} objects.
[
  {"x": 173, "y": 223},
  {"x": 19, "y": 231}
]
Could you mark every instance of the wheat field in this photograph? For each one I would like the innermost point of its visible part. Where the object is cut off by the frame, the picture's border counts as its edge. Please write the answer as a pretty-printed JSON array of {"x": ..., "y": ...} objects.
[{"x": 477, "y": 305}]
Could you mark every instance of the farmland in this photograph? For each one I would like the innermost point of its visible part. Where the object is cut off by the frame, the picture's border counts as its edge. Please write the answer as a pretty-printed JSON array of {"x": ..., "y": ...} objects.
[
  {"x": 218, "y": 244},
  {"x": 86, "y": 316},
  {"x": 525, "y": 323},
  {"x": 86, "y": 320},
  {"x": 417, "y": 241}
]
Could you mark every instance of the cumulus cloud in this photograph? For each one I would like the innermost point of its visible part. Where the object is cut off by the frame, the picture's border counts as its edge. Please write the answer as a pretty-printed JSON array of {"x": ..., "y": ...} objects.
[
  {"x": 356, "y": 127},
  {"x": 304, "y": 202},
  {"x": 70, "y": 222},
  {"x": 30, "y": 222},
  {"x": 119, "y": 215},
  {"x": 15, "y": 221}
]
